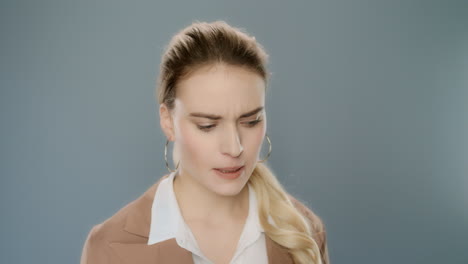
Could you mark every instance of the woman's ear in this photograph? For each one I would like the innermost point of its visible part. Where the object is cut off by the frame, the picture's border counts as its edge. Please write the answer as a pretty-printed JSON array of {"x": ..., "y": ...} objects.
[{"x": 166, "y": 121}]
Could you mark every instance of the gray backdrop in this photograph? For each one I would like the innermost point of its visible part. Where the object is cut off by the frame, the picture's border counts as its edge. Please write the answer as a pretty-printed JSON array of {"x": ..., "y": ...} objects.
[{"x": 367, "y": 113}]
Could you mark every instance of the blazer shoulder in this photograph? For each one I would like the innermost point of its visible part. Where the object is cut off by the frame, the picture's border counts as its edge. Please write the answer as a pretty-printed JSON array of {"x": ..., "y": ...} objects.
[
  {"x": 316, "y": 223},
  {"x": 96, "y": 247},
  {"x": 317, "y": 227},
  {"x": 128, "y": 225}
]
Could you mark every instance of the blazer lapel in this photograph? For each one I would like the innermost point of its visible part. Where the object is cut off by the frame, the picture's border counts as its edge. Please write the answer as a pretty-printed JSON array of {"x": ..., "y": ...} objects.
[
  {"x": 137, "y": 251},
  {"x": 276, "y": 253},
  {"x": 169, "y": 251},
  {"x": 138, "y": 222},
  {"x": 163, "y": 252}
]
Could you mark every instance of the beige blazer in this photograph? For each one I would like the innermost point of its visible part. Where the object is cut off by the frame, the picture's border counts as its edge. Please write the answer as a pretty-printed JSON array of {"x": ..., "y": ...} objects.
[{"x": 122, "y": 239}]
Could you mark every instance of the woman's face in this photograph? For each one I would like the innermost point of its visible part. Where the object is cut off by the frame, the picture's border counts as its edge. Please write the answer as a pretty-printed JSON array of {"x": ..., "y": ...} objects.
[{"x": 235, "y": 98}]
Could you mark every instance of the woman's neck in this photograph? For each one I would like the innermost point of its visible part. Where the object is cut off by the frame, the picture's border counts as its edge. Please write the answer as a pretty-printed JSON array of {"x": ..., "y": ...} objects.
[{"x": 196, "y": 203}]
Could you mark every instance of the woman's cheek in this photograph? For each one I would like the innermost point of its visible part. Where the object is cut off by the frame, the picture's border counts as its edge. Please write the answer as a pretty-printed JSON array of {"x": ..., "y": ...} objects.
[
  {"x": 260, "y": 137},
  {"x": 187, "y": 138},
  {"x": 193, "y": 147}
]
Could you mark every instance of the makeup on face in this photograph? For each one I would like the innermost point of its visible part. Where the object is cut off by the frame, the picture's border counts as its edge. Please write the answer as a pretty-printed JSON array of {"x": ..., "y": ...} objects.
[
  {"x": 207, "y": 126},
  {"x": 230, "y": 173},
  {"x": 220, "y": 123}
]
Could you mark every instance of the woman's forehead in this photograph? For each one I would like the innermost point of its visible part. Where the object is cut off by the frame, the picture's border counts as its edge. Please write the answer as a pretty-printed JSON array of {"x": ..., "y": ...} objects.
[
  {"x": 230, "y": 91},
  {"x": 220, "y": 80},
  {"x": 217, "y": 110},
  {"x": 213, "y": 116}
]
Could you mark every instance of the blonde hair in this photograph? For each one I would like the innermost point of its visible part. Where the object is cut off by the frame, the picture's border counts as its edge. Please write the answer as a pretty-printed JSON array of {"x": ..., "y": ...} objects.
[{"x": 202, "y": 44}]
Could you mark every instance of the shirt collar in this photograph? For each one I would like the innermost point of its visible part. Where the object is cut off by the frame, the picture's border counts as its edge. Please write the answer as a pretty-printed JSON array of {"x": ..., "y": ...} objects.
[{"x": 167, "y": 221}]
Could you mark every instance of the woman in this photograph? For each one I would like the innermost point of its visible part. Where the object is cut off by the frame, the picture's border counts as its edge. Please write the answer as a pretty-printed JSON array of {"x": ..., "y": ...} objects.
[{"x": 221, "y": 204}]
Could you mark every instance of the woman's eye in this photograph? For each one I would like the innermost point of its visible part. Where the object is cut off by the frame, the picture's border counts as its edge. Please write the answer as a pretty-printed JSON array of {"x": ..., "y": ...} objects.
[
  {"x": 253, "y": 123},
  {"x": 205, "y": 128},
  {"x": 249, "y": 124}
]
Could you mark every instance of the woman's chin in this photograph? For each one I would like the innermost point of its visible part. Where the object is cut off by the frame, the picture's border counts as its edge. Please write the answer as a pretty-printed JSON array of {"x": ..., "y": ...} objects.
[{"x": 228, "y": 189}]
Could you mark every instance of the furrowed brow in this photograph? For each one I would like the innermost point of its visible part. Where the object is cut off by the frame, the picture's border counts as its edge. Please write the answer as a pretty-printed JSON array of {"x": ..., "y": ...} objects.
[{"x": 217, "y": 117}]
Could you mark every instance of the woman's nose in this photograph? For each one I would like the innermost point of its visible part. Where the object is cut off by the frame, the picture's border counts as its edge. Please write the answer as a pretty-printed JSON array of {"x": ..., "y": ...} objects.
[{"x": 231, "y": 144}]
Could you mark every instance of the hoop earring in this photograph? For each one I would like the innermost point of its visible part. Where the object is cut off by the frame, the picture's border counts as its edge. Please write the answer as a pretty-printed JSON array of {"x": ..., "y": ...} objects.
[
  {"x": 269, "y": 151},
  {"x": 165, "y": 158}
]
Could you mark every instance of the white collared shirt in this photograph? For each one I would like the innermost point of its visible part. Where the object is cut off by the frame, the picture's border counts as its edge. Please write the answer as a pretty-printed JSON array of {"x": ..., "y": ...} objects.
[{"x": 167, "y": 222}]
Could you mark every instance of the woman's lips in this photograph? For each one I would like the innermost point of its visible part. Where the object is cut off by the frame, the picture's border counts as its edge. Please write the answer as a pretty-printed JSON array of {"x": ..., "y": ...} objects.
[
  {"x": 230, "y": 169},
  {"x": 231, "y": 174}
]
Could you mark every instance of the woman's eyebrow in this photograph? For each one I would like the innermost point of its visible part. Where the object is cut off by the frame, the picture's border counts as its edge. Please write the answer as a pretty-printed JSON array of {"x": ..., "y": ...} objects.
[{"x": 217, "y": 117}]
